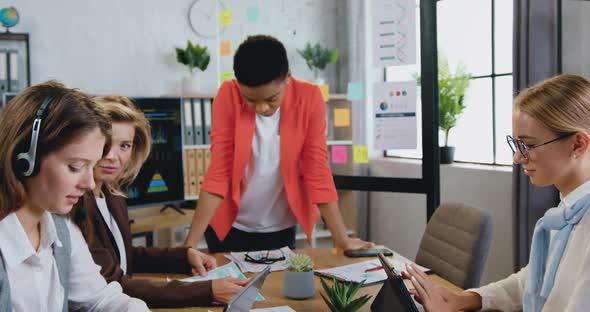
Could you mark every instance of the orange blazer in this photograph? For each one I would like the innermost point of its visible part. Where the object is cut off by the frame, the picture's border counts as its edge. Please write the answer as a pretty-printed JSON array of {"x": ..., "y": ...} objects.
[{"x": 304, "y": 153}]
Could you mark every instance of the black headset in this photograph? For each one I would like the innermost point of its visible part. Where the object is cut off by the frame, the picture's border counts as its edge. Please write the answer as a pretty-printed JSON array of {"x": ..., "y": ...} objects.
[{"x": 27, "y": 162}]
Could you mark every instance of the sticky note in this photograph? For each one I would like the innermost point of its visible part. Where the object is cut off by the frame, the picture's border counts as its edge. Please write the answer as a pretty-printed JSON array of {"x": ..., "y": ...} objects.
[
  {"x": 361, "y": 154},
  {"x": 355, "y": 92},
  {"x": 325, "y": 91},
  {"x": 341, "y": 117},
  {"x": 225, "y": 48},
  {"x": 252, "y": 13},
  {"x": 225, "y": 75},
  {"x": 225, "y": 18},
  {"x": 339, "y": 154}
]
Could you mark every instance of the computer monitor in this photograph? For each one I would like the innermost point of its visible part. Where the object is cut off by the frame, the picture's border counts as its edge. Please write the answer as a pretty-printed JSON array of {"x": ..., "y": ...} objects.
[{"x": 160, "y": 180}]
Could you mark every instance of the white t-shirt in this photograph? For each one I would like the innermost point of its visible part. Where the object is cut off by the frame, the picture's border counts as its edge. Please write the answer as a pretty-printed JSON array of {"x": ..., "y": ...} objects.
[
  {"x": 263, "y": 206},
  {"x": 571, "y": 291},
  {"x": 34, "y": 279},
  {"x": 101, "y": 202}
]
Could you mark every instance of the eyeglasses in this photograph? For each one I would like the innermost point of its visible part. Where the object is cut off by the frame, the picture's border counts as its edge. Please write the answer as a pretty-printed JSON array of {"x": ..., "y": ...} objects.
[
  {"x": 518, "y": 145},
  {"x": 269, "y": 258}
]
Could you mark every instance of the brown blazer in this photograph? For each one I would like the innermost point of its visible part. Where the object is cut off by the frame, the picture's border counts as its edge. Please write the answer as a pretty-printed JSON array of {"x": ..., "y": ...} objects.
[{"x": 104, "y": 250}]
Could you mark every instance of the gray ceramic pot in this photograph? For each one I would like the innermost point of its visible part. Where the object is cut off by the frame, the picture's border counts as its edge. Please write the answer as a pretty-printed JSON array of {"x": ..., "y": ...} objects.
[{"x": 298, "y": 285}]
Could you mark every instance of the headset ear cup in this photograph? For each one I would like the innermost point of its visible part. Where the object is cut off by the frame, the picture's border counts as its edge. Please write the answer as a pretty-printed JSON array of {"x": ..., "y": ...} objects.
[
  {"x": 26, "y": 165},
  {"x": 26, "y": 162},
  {"x": 22, "y": 166}
]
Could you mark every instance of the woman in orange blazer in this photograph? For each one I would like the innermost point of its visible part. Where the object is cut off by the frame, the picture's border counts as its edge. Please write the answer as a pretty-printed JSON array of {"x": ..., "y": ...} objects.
[{"x": 269, "y": 163}]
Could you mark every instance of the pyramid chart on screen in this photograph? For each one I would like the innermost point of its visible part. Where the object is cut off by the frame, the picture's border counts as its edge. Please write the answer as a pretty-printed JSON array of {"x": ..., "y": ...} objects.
[{"x": 157, "y": 184}]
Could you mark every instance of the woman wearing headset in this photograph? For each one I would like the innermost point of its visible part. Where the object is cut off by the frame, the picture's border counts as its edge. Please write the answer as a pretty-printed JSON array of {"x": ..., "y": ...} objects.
[{"x": 51, "y": 138}]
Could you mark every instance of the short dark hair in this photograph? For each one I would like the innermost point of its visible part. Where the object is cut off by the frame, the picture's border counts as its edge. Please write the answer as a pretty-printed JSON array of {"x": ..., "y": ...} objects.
[{"x": 259, "y": 60}]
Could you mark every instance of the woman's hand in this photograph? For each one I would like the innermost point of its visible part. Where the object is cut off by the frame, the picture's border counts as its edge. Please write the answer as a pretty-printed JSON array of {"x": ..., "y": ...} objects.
[
  {"x": 226, "y": 288},
  {"x": 354, "y": 243},
  {"x": 200, "y": 262},
  {"x": 432, "y": 296}
]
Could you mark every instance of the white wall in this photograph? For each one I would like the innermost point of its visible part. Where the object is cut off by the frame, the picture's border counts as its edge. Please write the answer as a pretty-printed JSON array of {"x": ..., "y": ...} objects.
[
  {"x": 127, "y": 47},
  {"x": 576, "y": 42},
  {"x": 398, "y": 220}
]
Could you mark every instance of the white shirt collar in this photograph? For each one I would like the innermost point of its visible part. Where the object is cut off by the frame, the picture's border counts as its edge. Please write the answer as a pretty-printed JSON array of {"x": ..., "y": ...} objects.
[
  {"x": 575, "y": 195},
  {"x": 15, "y": 244}
]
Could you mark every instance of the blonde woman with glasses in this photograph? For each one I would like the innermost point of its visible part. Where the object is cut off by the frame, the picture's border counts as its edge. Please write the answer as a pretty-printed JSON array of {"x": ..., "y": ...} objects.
[{"x": 551, "y": 141}]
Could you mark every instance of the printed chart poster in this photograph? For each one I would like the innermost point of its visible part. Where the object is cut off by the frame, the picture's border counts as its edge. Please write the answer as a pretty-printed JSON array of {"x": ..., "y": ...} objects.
[
  {"x": 394, "y": 32},
  {"x": 394, "y": 105}
]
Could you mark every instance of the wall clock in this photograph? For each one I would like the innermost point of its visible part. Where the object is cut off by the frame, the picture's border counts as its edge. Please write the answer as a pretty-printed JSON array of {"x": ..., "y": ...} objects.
[{"x": 203, "y": 17}]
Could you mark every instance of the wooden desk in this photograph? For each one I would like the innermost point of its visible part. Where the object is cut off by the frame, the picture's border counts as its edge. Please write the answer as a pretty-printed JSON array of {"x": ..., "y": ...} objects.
[
  {"x": 151, "y": 219},
  {"x": 273, "y": 286}
]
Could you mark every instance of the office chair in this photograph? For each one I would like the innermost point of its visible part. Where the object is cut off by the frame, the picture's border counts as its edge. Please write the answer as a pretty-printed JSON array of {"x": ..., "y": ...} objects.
[{"x": 456, "y": 244}]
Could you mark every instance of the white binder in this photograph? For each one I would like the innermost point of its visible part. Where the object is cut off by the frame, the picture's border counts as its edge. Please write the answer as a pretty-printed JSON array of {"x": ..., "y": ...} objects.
[
  {"x": 189, "y": 136},
  {"x": 197, "y": 121}
]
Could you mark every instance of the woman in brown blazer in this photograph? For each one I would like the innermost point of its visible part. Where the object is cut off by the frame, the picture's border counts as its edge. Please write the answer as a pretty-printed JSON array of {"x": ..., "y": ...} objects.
[{"x": 105, "y": 224}]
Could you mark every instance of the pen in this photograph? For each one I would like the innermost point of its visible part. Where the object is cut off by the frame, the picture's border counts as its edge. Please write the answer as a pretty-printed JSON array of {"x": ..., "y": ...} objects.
[{"x": 374, "y": 269}]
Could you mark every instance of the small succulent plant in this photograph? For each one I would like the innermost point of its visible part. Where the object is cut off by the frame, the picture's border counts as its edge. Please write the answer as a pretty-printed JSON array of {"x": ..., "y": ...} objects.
[
  {"x": 341, "y": 294},
  {"x": 300, "y": 263}
]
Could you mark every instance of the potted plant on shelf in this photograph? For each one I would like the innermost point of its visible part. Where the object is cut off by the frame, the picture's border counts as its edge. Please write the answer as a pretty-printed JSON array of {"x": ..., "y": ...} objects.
[
  {"x": 298, "y": 282},
  {"x": 341, "y": 294},
  {"x": 316, "y": 57},
  {"x": 195, "y": 57},
  {"x": 451, "y": 95}
]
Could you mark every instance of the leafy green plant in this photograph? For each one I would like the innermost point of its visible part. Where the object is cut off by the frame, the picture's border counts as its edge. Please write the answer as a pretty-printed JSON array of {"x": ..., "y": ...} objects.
[
  {"x": 341, "y": 294},
  {"x": 193, "y": 56},
  {"x": 318, "y": 57},
  {"x": 451, "y": 94},
  {"x": 300, "y": 263}
]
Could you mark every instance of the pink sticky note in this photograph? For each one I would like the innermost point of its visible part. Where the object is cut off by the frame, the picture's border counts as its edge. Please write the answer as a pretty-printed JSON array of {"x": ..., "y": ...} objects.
[{"x": 339, "y": 154}]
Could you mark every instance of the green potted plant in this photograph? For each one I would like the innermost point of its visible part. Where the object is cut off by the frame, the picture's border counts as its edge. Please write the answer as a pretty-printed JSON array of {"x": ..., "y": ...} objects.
[
  {"x": 316, "y": 57},
  {"x": 196, "y": 58},
  {"x": 298, "y": 282},
  {"x": 340, "y": 296},
  {"x": 451, "y": 96}
]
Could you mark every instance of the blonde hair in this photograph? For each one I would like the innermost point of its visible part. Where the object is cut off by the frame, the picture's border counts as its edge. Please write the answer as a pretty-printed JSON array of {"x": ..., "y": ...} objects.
[
  {"x": 122, "y": 109},
  {"x": 70, "y": 115},
  {"x": 561, "y": 103}
]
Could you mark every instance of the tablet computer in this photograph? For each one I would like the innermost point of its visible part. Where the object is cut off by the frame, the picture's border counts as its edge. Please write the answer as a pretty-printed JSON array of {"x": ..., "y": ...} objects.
[
  {"x": 243, "y": 301},
  {"x": 393, "y": 296}
]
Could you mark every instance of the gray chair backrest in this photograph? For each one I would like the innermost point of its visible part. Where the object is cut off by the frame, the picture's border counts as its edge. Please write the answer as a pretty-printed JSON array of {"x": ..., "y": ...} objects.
[{"x": 456, "y": 244}]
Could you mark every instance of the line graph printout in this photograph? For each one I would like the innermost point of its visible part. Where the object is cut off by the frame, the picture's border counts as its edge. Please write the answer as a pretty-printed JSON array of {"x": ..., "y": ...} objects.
[{"x": 394, "y": 32}]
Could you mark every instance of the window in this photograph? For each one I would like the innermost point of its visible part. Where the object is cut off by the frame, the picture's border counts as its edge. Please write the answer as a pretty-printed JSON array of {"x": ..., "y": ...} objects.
[{"x": 477, "y": 34}]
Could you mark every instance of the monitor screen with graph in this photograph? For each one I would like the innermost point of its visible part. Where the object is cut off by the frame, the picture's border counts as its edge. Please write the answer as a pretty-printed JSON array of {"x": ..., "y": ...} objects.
[{"x": 160, "y": 179}]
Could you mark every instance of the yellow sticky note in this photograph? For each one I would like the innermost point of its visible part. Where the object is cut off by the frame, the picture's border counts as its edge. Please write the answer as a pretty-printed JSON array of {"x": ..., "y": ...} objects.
[
  {"x": 325, "y": 92},
  {"x": 225, "y": 48},
  {"x": 225, "y": 18},
  {"x": 341, "y": 117},
  {"x": 225, "y": 75},
  {"x": 361, "y": 154}
]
